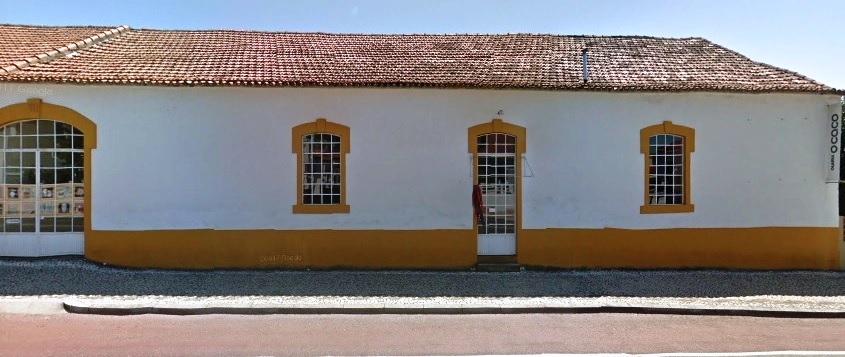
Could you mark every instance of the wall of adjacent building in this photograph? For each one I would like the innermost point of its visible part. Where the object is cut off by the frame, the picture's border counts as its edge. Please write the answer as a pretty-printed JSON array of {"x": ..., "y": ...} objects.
[{"x": 180, "y": 160}]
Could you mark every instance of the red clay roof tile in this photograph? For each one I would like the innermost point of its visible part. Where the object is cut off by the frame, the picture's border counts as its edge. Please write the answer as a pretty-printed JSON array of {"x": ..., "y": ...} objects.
[
  {"x": 274, "y": 59},
  {"x": 33, "y": 44},
  {"x": 27, "y": 41}
]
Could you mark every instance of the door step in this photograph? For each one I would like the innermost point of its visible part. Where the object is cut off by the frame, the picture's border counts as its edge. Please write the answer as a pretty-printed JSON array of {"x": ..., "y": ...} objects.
[{"x": 498, "y": 267}]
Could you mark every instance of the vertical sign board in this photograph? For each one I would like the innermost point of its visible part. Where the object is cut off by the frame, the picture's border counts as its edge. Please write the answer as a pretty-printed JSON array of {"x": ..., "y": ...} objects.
[{"x": 834, "y": 123}]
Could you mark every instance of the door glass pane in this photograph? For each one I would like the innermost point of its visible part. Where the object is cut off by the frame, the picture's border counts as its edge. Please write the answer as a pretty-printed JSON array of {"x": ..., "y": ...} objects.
[
  {"x": 13, "y": 129},
  {"x": 13, "y": 175},
  {"x": 13, "y": 158},
  {"x": 46, "y": 142},
  {"x": 29, "y": 127},
  {"x": 46, "y": 127},
  {"x": 62, "y": 128},
  {"x": 12, "y": 224},
  {"x": 28, "y": 224},
  {"x": 48, "y": 176},
  {"x": 13, "y": 142},
  {"x": 29, "y": 142},
  {"x": 78, "y": 142},
  {"x": 78, "y": 223},
  {"x": 28, "y": 159},
  {"x": 63, "y": 142},
  {"x": 78, "y": 175},
  {"x": 48, "y": 159},
  {"x": 64, "y": 175},
  {"x": 48, "y": 224},
  {"x": 28, "y": 176},
  {"x": 64, "y": 159},
  {"x": 64, "y": 224},
  {"x": 78, "y": 159}
]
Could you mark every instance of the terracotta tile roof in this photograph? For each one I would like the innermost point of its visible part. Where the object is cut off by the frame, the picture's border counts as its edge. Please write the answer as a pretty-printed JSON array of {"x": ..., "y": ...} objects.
[
  {"x": 519, "y": 61},
  {"x": 26, "y": 45}
]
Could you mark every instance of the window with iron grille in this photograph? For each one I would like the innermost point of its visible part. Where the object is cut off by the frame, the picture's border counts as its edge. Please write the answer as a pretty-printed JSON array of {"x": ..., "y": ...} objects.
[{"x": 667, "y": 148}]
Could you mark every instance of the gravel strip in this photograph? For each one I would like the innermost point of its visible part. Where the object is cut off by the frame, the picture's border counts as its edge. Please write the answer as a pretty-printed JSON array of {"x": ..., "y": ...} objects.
[{"x": 75, "y": 276}]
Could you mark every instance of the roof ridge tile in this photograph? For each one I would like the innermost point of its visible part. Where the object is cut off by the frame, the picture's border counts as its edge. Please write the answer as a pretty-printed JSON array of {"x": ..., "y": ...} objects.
[
  {"x": 415, "y": 34},
  {"x": 47, "y": 56}
]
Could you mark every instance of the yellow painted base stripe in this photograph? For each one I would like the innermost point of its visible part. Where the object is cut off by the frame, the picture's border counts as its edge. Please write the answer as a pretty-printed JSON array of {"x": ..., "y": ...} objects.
[
  {"x": 202, "y": 249},
  {"x": 733, "y": 248}
]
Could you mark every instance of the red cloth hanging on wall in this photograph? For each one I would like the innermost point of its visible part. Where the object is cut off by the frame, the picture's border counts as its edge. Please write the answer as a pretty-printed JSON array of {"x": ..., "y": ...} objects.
[{"x": 478, "y": 204}]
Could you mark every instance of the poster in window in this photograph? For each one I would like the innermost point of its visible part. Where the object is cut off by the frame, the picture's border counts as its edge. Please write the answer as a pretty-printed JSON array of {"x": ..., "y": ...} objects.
[
  {"x": 47, "y": 191},
  {"x": 28, "y": 209},
  {"x": 13, "y": 209},
  {"x": 78, "y": 191},
  {"x": 63, "y": 208},
  {"x": 13, "y": 192},
  {"x": 63, "y": 191},
  {"x": 27, "y": 192},
  {"x": 78, "y": 209},
  {"x": 48, "y": 208}
]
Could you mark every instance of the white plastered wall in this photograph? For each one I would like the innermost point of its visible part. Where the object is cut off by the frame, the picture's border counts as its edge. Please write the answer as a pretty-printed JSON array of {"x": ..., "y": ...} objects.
[{"x": 187, "y": 158}]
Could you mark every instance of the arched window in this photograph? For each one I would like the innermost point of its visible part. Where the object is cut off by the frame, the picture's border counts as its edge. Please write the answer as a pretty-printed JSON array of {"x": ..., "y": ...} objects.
[
  {"x": 321, "y": 149},
  {"x": 667, "y": 149},
  {"x": 42, "y": 177}
]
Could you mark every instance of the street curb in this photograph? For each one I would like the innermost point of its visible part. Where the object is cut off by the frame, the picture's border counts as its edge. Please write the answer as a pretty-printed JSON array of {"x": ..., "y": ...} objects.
[{"x": 123, "y": 311}]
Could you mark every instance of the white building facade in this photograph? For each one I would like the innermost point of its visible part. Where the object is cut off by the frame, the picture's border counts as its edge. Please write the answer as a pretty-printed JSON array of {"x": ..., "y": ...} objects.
[{"x": 334, "y": 177}]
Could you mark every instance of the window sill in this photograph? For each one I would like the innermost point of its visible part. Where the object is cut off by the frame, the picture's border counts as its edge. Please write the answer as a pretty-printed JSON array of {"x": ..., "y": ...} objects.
[
  {"x": 658, "y": 209},
  {"x": 320, "y": 209}
]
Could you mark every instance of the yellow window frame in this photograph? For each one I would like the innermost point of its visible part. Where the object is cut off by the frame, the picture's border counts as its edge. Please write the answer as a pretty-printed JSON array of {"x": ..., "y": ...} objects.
[{"x": 320, "y": 126}]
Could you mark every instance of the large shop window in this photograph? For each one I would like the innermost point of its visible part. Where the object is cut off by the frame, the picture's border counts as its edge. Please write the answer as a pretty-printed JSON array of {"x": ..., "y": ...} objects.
[
  {"x": 42, "y": 177},
  {"x": 667, "y": 149},
  {"x": 321, "y": 149}
]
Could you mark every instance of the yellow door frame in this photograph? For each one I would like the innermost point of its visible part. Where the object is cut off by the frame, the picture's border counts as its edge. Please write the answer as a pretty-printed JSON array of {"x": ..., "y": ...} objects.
[
  {"x": 494, "y": 127},
  {"x": 35, "y": 108}
]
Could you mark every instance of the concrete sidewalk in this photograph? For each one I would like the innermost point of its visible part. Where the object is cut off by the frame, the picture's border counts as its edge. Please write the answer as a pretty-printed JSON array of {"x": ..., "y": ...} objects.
[
  {"x": 753, "y": 306},
  {"x": 765, "y": 306}
]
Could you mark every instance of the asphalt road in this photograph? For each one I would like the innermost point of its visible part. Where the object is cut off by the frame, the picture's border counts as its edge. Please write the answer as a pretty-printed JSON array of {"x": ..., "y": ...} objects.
[{"x": 307, "y": 335}]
